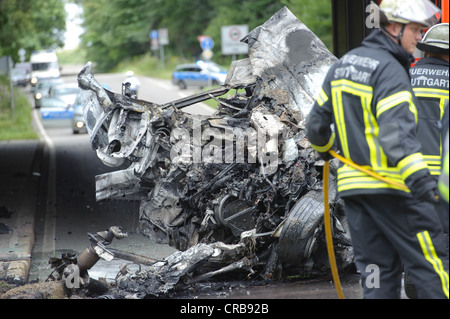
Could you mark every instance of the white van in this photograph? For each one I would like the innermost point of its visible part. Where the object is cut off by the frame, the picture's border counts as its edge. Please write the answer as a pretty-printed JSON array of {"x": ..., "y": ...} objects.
[{"x": 44, "y": 64}]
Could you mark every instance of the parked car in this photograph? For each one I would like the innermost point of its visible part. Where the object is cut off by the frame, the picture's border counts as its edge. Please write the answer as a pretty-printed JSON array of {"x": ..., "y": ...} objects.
[
  {"x": 78, "y": 125},
  {"x": 42, "y": 89},
  {"x": 66, "y": 92},
  {"x": 200, "y": 74},
  {"x": 20, "y": 77}
]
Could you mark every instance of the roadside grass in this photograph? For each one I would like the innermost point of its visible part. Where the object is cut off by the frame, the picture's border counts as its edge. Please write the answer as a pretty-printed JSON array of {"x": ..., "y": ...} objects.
[
  {"x": 17, "y": 124},
  {"x": 151, "y": 66},
  {"x": 73, "y": 56}
]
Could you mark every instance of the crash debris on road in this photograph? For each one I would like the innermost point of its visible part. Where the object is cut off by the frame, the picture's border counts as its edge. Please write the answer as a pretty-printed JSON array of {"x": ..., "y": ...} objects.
[{"x": 239, "y": 192}]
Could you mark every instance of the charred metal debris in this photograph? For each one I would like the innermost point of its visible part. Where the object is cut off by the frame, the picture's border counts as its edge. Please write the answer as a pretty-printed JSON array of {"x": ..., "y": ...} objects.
[{"x": 236, "y": 191}]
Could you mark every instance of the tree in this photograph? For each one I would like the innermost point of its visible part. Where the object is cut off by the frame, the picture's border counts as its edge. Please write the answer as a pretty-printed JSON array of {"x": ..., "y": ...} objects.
[
  {"x": 115, "y": 29},
  {"x": 185, "y": 20},
  {"x": 316, "y": 15},
  {"x": 118, "y": 29},
  {"x": 32, "y": 25}
]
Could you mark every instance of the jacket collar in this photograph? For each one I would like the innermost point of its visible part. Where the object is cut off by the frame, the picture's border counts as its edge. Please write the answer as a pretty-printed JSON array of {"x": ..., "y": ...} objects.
[
  {"x": 432, "y": 60},
  {"x": 377, "y": 39}
]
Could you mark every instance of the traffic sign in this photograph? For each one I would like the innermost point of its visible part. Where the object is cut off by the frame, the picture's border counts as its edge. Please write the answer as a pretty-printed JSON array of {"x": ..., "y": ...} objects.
[
  {"x": 231, "y": 39},
  {"x": 163, "y": 36},
  {"x": 207, "y": 55},
  {"x": 22, "y": 53},
  {"x": 153, "y": 34},
  {"x": 206, "y": 43},
  {"x": 154, "y": 44}
]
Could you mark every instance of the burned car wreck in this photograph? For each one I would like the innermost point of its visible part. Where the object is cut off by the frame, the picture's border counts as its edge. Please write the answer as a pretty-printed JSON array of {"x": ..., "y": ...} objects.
[{"x": 236, "y": 191}]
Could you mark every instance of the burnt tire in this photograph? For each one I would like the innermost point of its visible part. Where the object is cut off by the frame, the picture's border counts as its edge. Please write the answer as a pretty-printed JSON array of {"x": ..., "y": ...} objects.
[{"x": 297, "y": 237}]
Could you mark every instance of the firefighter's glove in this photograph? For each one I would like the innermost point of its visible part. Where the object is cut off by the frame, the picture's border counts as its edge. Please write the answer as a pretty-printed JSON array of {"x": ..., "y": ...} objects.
[
  {"x": 430, "y": 196},
  {"x": 424, "y": 189},
  {"x": 325, "y": 156}
]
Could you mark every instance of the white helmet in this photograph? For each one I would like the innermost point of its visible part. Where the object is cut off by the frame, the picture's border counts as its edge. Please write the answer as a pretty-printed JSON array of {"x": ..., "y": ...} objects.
[
  {"x": 129, "y": 73},
  {"x": 435, "y": 40},
  {"x": 406, "y": 11}
]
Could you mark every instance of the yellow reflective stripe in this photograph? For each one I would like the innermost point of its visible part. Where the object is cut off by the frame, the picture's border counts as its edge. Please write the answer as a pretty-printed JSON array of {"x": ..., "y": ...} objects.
[
  {"x": 432, "y": 158},
  {"x": 411, "y": 164},
  {"x": 326, "y": 147},
  {"x": 442, "y": 95},
  {"x": 434, "y": 170},
  {"x": 364, "y": 92},
  {"x": 444, "y": 190},
  {"x": 433, "y": 163},
  {"x": 364, "y": 183},
  {"x": 386, "y": 171},
  {"x": 352, "y": 87},
  {"x": 338, "y": 110},
  {"x": 322, "y": 98},
  {"x": 443, "y": 184},
  {"x": 351, "y": 178},
  {"x": 377, "y": 157},
  {"x": 429, "y": 92},
  {"x": 430, "y": 255},
  {"x": 394, "y": 100}
]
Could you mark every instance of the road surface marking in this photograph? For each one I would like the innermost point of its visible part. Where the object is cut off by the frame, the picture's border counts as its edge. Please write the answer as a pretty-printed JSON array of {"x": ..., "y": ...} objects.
[{"x": 48, "y": 241}]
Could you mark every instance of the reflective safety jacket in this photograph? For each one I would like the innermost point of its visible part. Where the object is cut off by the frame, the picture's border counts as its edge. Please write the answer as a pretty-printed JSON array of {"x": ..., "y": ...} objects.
[
  {"x": 430, "y": 82},
  {"x": 367, "y": 109},
  {"x": 443, "y": 178}
]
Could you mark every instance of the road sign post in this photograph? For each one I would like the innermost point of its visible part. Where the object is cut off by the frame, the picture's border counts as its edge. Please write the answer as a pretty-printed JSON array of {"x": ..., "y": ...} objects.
[
  {"x": 206, "y": 43},
  {"x": 154, "y": 43},
  {"x": 163, "y": 36},
  {"x": 22, "y": 53},
  {"x": 159, "y": 38}
]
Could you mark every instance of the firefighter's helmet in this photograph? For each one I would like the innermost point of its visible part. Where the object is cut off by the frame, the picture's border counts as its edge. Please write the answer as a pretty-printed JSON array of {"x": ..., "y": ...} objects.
[
  {"x": 436, "y": 39},
  {"x": 406, "y": 11}
]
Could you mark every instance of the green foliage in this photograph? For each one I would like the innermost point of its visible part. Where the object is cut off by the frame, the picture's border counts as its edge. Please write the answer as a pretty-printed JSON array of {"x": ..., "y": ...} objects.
[
  {"x": 73, "y": 56},
  {"x": 316, "y": 15},
  {"x": 119, "y": 29},
  {"x": 14, "y": 125},
  {"x": 116, "y": 30},
  {"x": 32, "y": 25},
  {"x": 149, "y": 66}
]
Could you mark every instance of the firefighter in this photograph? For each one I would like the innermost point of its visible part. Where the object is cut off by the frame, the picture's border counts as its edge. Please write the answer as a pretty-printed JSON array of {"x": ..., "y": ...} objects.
[
  {"x": 430, "y": 82},
  {"x": 443, "y": 179},
  {"x": 133, "y": 81},
  {"x": 366, "y": 110}
]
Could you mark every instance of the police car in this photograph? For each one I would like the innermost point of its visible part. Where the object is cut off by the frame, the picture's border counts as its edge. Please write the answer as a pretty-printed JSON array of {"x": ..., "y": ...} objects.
[
  {"x": 200, "y": 74},
  {"x": 55, "y": 112}
]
